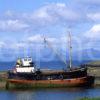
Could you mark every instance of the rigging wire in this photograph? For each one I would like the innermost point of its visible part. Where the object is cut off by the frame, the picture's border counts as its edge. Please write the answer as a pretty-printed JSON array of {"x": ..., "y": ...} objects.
[{"x": 54, "y": 50}]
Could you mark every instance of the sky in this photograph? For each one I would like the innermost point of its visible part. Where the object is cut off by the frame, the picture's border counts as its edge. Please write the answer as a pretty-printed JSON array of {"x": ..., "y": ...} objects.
[{"x": 24, "y": 24}]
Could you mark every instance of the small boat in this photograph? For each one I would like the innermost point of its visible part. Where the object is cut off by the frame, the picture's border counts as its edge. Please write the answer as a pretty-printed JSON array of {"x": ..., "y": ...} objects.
[{"x": 26, "y": 73}]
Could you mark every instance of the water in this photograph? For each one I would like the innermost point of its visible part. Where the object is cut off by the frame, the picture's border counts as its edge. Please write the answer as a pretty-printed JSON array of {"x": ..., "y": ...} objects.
[
  {"x": 50, "y": 94},
  {"x": 45, "y": 65}
]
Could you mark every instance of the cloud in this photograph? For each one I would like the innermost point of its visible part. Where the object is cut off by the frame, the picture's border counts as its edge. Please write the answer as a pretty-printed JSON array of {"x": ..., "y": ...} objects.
[
  {"x": 94, "y": 16},
  {"x": 41, "y": 39},
  {"x": 38, "y": 40},
  {"x": 45, "y": 16},
  {"x": 12, "y": 25},
  {"x": 2, "y": 44},
  {"x": 31, "y": 40},
  {"x": 35, "y": 38},
  {"x": 95, "y": 2},
  {"x": 9, "y": 13},
  {"x": 94, "y": 32},
  {"x": 36, "y": 44},
  {"x": 53, "y": 13}
]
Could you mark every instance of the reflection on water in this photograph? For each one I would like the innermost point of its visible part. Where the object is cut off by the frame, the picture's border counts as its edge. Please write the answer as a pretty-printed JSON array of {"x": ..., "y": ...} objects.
[
  {"x": 25, "y": 95},
  {"x": 50, "y": 94}
]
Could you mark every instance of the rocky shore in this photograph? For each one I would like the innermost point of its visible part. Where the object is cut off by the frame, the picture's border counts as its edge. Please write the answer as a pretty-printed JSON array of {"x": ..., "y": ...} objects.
[
  {"x": 3, "y": 79},
  {"x": 94, "y": 70}
]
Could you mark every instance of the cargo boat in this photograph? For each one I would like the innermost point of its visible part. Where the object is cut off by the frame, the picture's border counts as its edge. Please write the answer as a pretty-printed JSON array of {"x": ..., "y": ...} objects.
[{"x": 26, "y": 73}]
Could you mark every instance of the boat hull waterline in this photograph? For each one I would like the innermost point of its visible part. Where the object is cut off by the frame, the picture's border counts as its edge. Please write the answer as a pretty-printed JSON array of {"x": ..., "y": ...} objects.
[{"x": 75, "y": 82}]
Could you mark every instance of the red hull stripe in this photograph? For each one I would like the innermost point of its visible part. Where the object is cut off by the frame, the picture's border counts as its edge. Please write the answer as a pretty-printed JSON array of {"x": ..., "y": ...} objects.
[{"x": 82, "y": 80}]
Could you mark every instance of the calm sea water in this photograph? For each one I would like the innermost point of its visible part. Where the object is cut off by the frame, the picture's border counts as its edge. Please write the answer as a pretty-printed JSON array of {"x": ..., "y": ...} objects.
[
  {"x": 45, "y": 65},
  {"x": 47, "y": 94},
  {"x": 50, "y": 94}
]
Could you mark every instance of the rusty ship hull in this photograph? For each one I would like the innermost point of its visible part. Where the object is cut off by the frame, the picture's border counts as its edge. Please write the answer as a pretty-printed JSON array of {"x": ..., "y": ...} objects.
[
  {"x": 75, "y": 82},
  {"x": 71, "y": 78}
]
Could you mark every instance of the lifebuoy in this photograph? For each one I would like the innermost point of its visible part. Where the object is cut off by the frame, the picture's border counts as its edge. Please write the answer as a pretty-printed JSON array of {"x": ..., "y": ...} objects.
[
  {"x": 37, "y": 77},
  {"x": 61, "y": 77}
]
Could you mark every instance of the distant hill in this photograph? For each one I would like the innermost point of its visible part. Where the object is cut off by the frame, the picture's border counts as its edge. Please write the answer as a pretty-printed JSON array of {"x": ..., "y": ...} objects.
[{"x": 87, "y": 54}]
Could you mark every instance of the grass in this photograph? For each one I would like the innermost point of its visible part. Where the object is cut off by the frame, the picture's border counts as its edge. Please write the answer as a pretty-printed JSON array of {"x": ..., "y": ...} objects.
[{"x": 86, "y": 98}]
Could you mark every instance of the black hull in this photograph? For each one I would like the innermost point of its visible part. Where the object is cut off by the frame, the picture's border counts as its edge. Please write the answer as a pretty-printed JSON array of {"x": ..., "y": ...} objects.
[{"x": 48, "y": 75}]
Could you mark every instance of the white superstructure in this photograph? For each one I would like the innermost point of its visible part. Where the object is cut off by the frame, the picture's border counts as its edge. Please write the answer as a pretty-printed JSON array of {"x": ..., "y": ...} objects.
[{"x": 25, "y": 65}]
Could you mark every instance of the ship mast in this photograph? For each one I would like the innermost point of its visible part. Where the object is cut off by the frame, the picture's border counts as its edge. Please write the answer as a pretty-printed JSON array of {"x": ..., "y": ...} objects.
[{"x": 70, "y": 50}]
